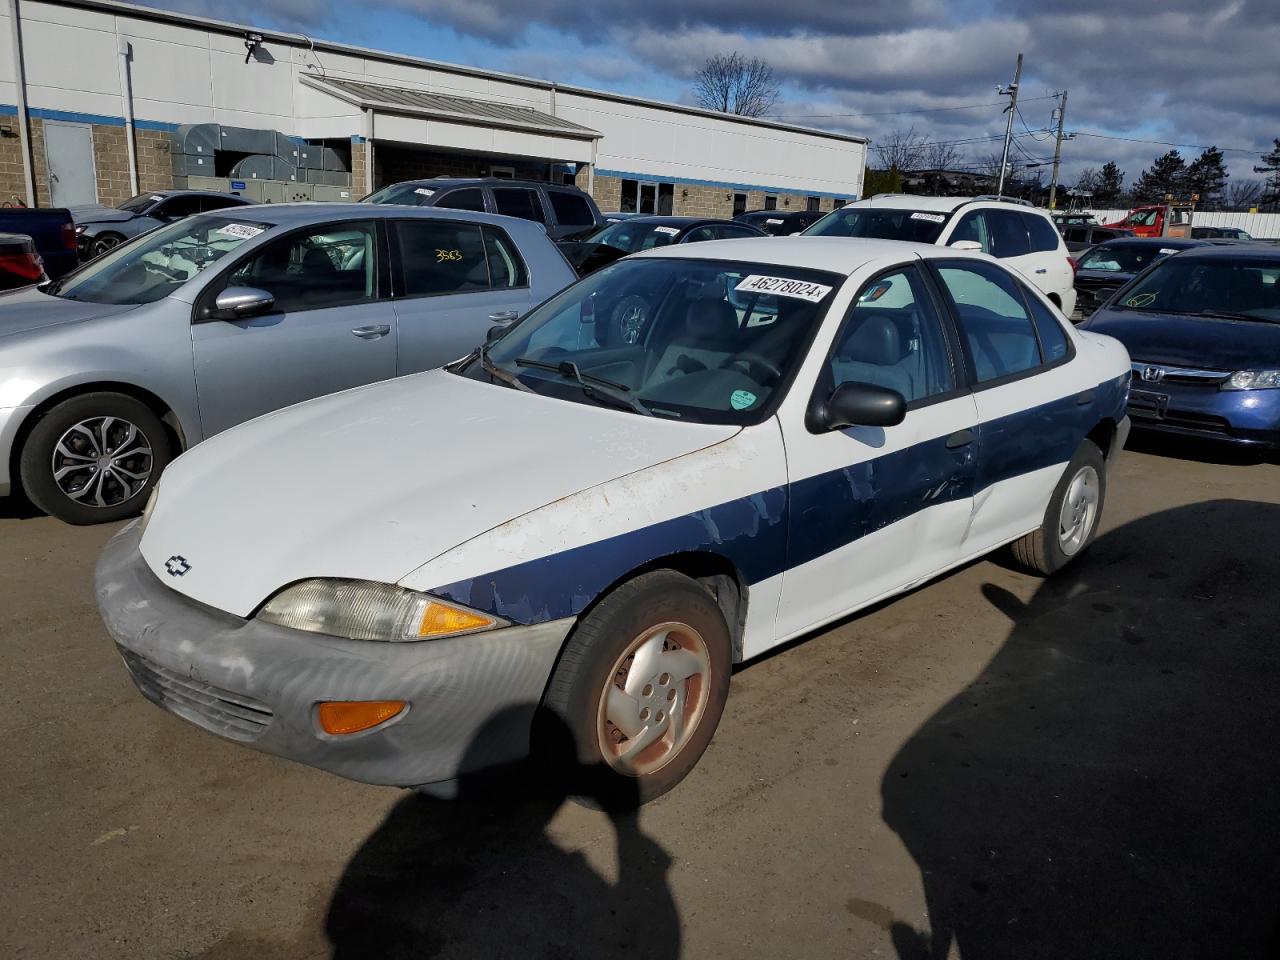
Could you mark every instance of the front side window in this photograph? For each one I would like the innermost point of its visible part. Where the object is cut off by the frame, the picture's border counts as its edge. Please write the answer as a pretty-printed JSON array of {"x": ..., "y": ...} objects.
[
  {"x": 470, "y": 199},
  {"x": 571, "y": 209},
  {"x": 1212, "y": 286},
  {"x": 517, "y": 202},
  {"x": 998, "y": 334},
  {"x": 973, "y": 227},
  {"x": 440, "y": 256},
  {"x": 329, "y": 266},
  {"x": 881, "y": 223},
  {"x": 893, "y": 338},
  {"x": 702, "y": 340},
  {"x": 155, "y": 265},
  {"x": 220, "y": 203},
  {"x": 175, "y": 208}
]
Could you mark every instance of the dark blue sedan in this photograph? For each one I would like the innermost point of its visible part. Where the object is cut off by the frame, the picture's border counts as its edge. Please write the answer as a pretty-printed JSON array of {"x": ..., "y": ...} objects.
[{"x": 1203, "y": 331}]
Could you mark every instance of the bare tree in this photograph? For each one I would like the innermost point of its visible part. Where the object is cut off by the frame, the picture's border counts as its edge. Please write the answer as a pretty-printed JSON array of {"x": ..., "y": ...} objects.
[
  {"x": 1243, "y": 194},
  {"x": 903, "y": 151},
  {"x": 939, "y": 155},
  {"x": 732, "y": 83},
  {"x": 989, "y": 166}
]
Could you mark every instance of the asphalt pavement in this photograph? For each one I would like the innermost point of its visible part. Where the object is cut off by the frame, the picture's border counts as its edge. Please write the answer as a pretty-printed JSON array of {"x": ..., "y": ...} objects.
[{"x": 991, "y": 766}]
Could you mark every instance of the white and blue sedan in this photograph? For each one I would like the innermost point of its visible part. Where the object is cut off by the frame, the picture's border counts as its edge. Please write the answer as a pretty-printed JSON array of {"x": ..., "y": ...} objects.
[{"x": 688, "y": 458}]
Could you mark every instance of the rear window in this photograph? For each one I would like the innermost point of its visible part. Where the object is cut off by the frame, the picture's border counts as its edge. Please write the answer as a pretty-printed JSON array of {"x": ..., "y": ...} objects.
[
  {"x": 881, "y": 223},
  {"x": 571, "y": 209}
]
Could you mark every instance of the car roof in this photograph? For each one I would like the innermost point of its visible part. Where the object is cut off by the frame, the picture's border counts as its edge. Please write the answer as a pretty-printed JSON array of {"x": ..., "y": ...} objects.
[
  {"x": 1233, "y": 251},
  {"x": 658, "y": 220},
  {"x": 841, "y": 255},
  {"x": 1170, "y": 242},
  {"x": 911, "y": 201},
  {"x": 283, "y": 214},
  {"x": 191, "y": 193},
  {"x": 441, "y": 182}
]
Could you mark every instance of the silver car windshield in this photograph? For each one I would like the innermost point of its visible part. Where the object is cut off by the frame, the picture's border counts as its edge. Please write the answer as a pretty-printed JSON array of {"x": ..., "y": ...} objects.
[
  {"x": 711, "y": 341},
  {"x": 157, "y": 263}
]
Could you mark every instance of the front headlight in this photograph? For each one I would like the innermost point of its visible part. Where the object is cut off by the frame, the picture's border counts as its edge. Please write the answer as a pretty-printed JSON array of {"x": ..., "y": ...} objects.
[
  {"x": 1253, "y": 380},
  {"x": 80, "y": 229},
  {"x": 365, "y": 610}
]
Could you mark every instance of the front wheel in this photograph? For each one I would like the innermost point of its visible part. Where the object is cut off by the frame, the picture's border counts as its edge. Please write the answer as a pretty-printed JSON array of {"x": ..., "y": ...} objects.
[
  {"x": 94, "y": 458},
  {"x": 1071, "y": 520},
  {"x": 641, "y": 685}
]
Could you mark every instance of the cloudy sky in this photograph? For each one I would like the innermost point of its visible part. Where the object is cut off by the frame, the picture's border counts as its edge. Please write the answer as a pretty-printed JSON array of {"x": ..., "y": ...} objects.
[{"x": 1179, "y": 71}]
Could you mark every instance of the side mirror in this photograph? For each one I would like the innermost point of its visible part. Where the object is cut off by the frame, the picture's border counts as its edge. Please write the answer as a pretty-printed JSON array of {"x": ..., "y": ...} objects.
[
  {"x": 966, "y": 245},
  {"x": 237, "y": 302},
  {"x": 858, "y": 405},
  {"x": 497, "y": 330}
]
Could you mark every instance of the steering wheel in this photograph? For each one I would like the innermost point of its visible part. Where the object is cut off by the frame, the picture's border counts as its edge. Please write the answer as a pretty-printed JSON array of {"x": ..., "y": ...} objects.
[{"x": 755, "y": 362}]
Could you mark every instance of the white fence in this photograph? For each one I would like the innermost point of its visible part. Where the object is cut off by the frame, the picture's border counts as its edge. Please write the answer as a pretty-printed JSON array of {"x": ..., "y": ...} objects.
[{"x": 1261, "y": 225}]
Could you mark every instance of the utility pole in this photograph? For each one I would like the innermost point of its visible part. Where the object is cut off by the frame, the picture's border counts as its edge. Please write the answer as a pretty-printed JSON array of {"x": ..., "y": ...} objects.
[
  {"x": 1012, "y": 93},
  {"x": 1057, "y": 152}
]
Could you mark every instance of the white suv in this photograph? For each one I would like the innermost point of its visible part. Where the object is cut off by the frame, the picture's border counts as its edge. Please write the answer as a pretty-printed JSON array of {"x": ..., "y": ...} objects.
[{"x": 1021, "y": 235}]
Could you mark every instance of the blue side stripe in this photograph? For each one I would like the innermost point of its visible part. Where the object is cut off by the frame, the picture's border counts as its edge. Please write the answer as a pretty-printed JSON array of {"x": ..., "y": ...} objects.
[{"x": 784, "y": 527}]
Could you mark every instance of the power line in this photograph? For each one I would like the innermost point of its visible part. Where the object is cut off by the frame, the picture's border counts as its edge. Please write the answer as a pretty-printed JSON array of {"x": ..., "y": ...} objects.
[
  {"x": 1165, "y": 143},
  {"x": 893, "y": 113}
]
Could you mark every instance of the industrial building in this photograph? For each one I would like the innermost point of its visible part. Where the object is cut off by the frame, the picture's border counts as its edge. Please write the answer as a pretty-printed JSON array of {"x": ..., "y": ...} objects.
[{"x": 119, "y": 99}]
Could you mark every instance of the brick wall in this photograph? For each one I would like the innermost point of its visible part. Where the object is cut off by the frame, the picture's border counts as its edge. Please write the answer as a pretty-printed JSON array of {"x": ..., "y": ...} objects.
[
  {"x": 360, "y": 181},
  {"x": 155, "y": 160},
  {"x": 607, "y": 193},
  {"x": 699, "y": 201},
  {"x": 13, "y": 188}
]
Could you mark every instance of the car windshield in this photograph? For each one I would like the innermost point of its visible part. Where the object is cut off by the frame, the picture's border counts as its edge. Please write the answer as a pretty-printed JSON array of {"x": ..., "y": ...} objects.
[
  {"x": 631, "y": 236},
  {"x": 152, "y": 267},
  {"x": 1214, "y": 286},
  {"x": 1123, "y": 258},
  {"x": 404, "y": 194},
  {"x": 140, "y": 202},
  {"x": 881, "y": 223},
  {"x": 709, "y": 341}
]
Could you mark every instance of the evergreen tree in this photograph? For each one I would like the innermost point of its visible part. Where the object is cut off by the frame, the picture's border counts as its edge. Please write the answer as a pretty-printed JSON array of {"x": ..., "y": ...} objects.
[
  {"x": 1271, "y": 164},
  {"x": 1167, "y": 176},
  {"x": 881, "y": 181},
  {"x": 1110, "y": 185},
  {"x": 1207, "y": 177}
]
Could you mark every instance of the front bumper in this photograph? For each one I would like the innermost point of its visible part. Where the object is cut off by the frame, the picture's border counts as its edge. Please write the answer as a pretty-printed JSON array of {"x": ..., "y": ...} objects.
[
  {"x": 471, "y": 699},
  {"x": 1249, "y": 418}
]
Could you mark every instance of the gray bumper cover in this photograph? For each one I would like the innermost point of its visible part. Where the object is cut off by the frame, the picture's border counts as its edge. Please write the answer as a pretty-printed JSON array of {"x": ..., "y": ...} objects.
[{"x": 471, "y": 699}]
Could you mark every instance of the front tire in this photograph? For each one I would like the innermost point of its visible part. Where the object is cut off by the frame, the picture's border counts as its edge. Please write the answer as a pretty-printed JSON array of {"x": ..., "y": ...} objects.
[
  {"x": 641, "y": 686},
  {"x": 1072, "y": 517},
  {"x": 94, "y": 458}
]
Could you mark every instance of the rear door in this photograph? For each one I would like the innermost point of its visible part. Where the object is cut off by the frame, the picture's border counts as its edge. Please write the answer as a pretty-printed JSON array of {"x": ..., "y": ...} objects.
[
  {"x": 453, "y": 281},
  {"x": 330, "y": 329}
]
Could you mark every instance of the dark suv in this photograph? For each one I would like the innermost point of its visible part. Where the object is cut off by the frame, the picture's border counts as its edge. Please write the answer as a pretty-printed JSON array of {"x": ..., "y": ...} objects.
[{"x": 567, "y": 212}]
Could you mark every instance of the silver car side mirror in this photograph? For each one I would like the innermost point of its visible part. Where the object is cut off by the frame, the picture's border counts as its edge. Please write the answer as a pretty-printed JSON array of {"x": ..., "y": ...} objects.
[
  {"x": 242, "y": 302},
  {"x": 966, "y": 245}
]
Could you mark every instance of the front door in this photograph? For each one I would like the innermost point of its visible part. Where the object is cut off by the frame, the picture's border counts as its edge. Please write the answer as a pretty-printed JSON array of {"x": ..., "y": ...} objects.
[
  {"x": 73, "y": 179},
  {"x": 873, "y": 509},
  {"x": 329, "y": 329}
]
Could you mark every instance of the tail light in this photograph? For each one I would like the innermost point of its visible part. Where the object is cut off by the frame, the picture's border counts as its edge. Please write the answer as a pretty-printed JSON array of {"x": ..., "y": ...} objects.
[
  {"x": 1075, "y": 265},
  {"x": 69, "y": 236},
  {"x": 27, "y": 266}
]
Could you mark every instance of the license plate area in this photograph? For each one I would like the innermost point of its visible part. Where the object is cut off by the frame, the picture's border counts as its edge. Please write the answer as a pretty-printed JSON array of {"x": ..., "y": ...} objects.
[{"x": 1148, "y": 404}]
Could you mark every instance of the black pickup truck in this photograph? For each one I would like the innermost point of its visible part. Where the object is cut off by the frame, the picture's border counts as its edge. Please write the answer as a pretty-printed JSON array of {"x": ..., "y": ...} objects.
[{"x": 51, "y": 230}]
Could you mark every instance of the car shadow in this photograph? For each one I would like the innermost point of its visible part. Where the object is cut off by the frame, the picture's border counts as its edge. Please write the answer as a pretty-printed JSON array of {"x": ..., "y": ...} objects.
[
  {"x": 1108, "y": 786},
  {"x": 480, "y": 876},
  {"x": 17, "y": 507},
  {"x": 1192, "y": 448}
]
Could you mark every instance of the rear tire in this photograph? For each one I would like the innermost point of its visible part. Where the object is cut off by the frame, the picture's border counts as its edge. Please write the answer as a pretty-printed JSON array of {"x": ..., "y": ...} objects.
[
  {"x": 640, "y": 688},
  {"x": 94, "y": 458},
  {"x": 1072, "y": 517}
]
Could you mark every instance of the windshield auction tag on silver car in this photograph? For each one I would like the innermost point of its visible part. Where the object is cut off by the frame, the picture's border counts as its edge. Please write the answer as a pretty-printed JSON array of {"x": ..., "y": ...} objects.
[
  {"x": 783, "y": 287},
  {"x": 242, "y": 231}
]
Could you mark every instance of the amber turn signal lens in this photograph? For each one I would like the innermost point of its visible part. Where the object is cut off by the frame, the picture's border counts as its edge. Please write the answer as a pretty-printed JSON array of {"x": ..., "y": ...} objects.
[
  {"x": 441, "y": 619},
  {"x": 351, "y": 716}
]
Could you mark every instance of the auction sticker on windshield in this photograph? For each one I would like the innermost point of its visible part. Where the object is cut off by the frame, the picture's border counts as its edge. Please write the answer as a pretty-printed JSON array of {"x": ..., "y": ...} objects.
[
  {"x": 783, "y": 287},
  {"x": 931, "y": 217},
  {"x": 241, "y": 231},
  {"x": 669, "y": 231}
]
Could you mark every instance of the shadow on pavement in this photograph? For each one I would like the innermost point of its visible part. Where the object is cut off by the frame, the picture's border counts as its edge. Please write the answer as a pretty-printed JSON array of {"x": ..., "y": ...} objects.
[
  {"x": 1109, "y": 786},
  {"x": 1175, "y": 447},
  {"x": 478, "y": 876}
]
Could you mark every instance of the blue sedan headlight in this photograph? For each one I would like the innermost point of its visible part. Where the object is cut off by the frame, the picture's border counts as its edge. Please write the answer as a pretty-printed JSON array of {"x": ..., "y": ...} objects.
[{"x": 1253, "y": 380}]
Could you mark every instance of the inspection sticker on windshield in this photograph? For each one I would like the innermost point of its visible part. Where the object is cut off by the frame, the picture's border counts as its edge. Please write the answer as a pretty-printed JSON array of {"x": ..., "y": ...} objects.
[
  {"x": 423, "y": 191},
  {"x": 241, "y": 231},
  {"x": 783, "y": 287},
  {"x": 741, "y": 399},
  {"x": 931, "y": 217},
  {"x": 773, "y": 222},
  {"x": 669, "y": 231}
]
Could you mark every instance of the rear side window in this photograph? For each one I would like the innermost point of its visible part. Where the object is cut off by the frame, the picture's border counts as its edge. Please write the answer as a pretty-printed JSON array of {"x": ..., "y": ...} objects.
[
  {"x": 516, "y": 202},
  {"x": 470, "y": 199},
  {"x": 571, "y": 209},
  {"x": 438, "y": 257},
  {"x": 725, "y": 232},
  {"x": 1042, "y": 234},
  {"x": 998, "y": 333},
  {"x": 506, "y": 269},
  {"x": 219, "y": 203},
  {"x": 1008, "y": 233},
  {"x": 1053, "y": 341}
]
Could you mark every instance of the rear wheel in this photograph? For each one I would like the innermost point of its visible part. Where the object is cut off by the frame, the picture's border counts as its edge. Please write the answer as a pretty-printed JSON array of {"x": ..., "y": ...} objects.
[
  {"x": 1072, "y": 517},
  {"x": 94, "y": 458},
  {"x": 641, "y": 685}
]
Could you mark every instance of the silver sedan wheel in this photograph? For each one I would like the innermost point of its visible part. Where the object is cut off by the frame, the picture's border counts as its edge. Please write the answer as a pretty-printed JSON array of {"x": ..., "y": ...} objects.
[
  {"x": 655, "y": 698},
  {"x": 102, "y": 461},
  {"x": 1079, "y": 511}
]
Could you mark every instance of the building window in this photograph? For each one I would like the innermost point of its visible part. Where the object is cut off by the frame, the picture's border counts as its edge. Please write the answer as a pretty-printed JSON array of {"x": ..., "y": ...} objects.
[
  {"x": 838, "y": 202},
  {"x": 813, "y": 204},
  {"x": 771, "y": 203},
  {"x": 647, "y": 196},
  {"x": 505, "y": 173},
  {"x": 739, "y": 203}
]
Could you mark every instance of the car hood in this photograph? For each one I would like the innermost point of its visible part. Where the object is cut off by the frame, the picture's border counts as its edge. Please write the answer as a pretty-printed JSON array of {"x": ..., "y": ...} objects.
[
  {"x": 1180, "y": 340},
  {"x": 28, "y": 309},
  {"x": 96, "y": 214},
  {"x": 372, "y": 483}
]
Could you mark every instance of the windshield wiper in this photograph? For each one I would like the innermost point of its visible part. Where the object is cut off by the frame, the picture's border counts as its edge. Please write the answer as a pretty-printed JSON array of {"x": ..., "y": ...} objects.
[
  {"x": 493, "y": 370},
  {"x": 596, "y": 387},
  {"x": 1228, "y": 315}
]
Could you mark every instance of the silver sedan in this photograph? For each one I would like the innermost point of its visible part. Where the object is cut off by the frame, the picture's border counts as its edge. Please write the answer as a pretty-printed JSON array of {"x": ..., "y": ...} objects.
[{"x": 109, "y": 373}]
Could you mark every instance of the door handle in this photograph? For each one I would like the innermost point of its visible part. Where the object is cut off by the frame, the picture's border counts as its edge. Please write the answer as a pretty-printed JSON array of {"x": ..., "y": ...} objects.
[
  {"x": 1043, "y": 270},
  {"x": 961, "y": 438},
  {"x": 373, "y": 331},
  {"x": 504, "y": 316},
  {"x": 1082, "y": 399}
]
